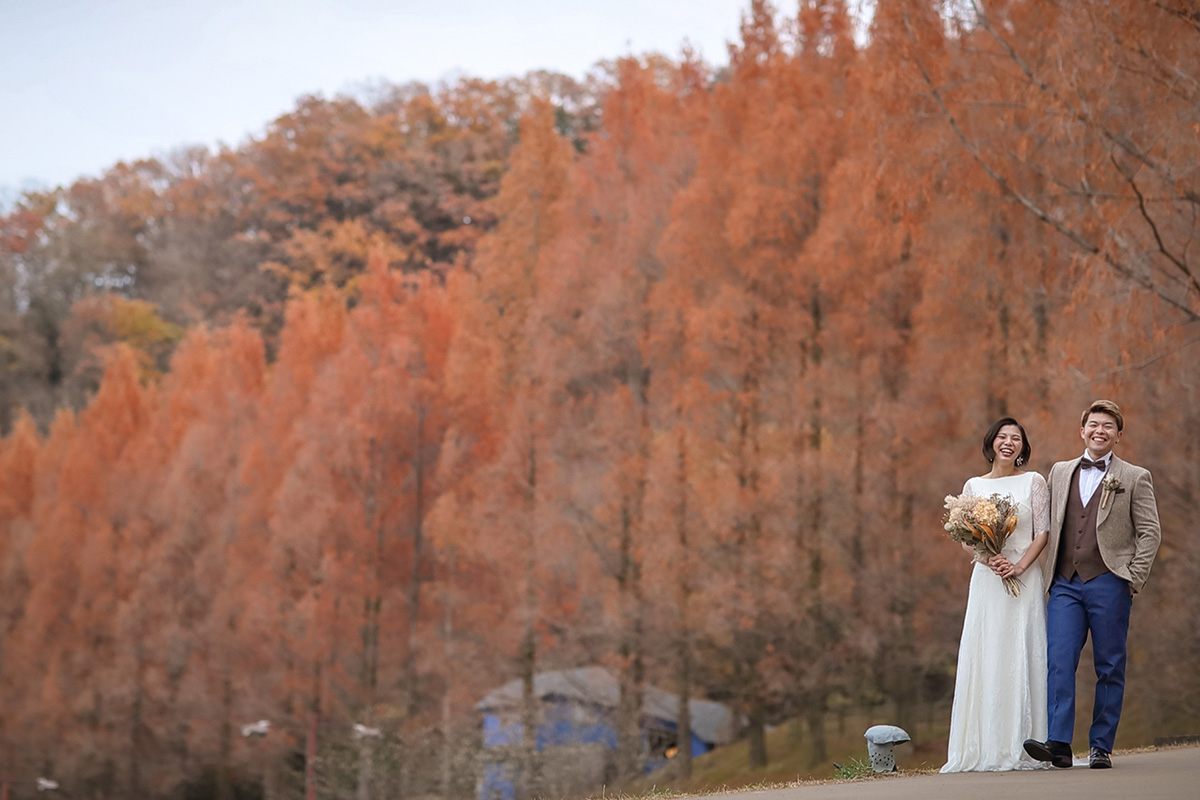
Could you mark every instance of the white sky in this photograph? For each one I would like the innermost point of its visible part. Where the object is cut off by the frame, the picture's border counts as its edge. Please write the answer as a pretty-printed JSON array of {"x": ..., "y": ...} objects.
[{"x": 84, "y": 84}]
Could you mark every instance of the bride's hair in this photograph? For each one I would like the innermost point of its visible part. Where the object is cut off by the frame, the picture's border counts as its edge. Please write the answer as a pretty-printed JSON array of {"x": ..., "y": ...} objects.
[{"x": 989, "y": 452}]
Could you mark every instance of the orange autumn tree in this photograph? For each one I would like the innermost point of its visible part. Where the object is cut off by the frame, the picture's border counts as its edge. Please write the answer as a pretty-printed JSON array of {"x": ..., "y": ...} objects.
[
  {"x": 210, "y": 491},
  {"x": 596, "y": 278},
  {"x": 351, "y": 515},
  {"x": 19, "y": 456},
  {"x": 313, "y": 333},
  {"x": 76, "y": 577},
  {"x": 510, "y": 498},
  {"x": 50, "y": 563},
  {"x": 734, "y": 233}
]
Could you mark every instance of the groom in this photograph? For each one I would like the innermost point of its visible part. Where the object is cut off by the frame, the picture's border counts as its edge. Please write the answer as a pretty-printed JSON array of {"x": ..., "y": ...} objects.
[{"x": 1104, "y": 535}]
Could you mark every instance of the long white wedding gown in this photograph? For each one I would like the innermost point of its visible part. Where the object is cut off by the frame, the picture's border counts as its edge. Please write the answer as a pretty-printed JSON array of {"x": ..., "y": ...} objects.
[{"x": 1000, "y": 686}]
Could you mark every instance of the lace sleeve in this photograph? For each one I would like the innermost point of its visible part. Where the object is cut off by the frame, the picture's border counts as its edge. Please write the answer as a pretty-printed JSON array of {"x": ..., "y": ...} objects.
[{"x": 1041, "y": 505}]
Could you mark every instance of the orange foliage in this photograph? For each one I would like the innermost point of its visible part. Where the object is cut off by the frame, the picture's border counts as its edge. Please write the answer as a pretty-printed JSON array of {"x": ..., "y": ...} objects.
[{"x": 667, "y": 371}]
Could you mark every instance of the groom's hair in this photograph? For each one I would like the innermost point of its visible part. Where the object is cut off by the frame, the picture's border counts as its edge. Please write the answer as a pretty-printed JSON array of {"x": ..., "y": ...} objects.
[
  {"x": 1104, "y": 407},
  {"x": 989, "y": 438}
]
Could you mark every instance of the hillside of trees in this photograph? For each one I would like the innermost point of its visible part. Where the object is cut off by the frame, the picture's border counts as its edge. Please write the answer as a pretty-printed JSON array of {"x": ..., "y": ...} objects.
[{"x": 666, "y": 369}]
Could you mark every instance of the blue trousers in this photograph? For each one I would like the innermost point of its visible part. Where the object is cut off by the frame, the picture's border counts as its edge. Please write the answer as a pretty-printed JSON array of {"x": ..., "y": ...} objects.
[{"x": 1100, "y": 607}]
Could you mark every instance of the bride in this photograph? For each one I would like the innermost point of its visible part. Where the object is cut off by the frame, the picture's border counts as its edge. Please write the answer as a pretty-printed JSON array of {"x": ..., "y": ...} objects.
[{"x": 1000, "y": 686}]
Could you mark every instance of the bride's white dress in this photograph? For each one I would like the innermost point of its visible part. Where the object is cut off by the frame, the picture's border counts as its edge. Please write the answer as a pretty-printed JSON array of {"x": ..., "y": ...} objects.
[{"x": 1000, "y": 687}]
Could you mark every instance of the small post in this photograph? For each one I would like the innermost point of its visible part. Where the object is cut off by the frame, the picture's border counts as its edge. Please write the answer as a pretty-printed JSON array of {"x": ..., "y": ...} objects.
[
  {"x": 259, "y": 730},
  {"x": 881, "y": 740}
]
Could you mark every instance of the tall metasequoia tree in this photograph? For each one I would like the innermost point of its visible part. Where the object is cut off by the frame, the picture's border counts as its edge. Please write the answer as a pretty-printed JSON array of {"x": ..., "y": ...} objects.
[
  {"x": 114, "y": 419},
  {"x": 312, "y": 335},
  {"x": 78, "y": 541},
  {"x": 369, "y": 464},
  {"x": 741, "y": 220},
  {"x": 683, "y": 562},
  {"x": 19, "y": 456},
  {"x": 467, "y": 589},
  {"x": 183, "y": 511},
  {"x": 595, "y": 306},
  {"x": 35, "y": 660},
  {"x": 672, "y": 556},
  {"x": 799, "y": 139},
  {"x": 227, "y": 559},
  {"x": 508, "y": 268}
]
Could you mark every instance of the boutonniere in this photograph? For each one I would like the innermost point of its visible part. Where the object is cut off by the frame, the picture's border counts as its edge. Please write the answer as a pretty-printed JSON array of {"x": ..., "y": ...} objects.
[{"x": 1111, "y": 485}]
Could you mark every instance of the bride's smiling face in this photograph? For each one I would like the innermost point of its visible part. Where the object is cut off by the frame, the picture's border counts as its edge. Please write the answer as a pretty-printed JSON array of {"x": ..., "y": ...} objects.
[{"x": 1008, "y": 444}]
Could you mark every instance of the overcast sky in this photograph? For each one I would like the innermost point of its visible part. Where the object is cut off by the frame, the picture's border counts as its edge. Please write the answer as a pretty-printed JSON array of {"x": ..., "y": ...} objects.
[{"x": 86, "y": 83}]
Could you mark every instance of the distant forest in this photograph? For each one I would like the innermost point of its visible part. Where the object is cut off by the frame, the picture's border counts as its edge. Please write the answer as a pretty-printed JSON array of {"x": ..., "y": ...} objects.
[{"x": 667, "y": 369}]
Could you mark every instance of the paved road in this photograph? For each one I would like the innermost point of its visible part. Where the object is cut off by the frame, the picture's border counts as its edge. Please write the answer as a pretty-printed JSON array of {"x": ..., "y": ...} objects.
[{"x": 1159, "y": 775}]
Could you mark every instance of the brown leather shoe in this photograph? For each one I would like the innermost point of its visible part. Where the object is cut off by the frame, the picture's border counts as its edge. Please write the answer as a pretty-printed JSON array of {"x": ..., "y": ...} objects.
[
  {"x": 1098, "y": 759},
  {"x": 1057, "y": 753}
]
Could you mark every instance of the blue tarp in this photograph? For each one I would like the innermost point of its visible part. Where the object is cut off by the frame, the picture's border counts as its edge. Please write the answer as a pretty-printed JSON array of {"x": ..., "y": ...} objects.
[{"x": 559, "y": 730}]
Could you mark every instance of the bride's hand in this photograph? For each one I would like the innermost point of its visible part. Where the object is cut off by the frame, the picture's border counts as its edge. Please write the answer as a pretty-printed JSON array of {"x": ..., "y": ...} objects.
[
  {"x": 1010, "y": 570},
  {"x": 1000, "y": 565}
]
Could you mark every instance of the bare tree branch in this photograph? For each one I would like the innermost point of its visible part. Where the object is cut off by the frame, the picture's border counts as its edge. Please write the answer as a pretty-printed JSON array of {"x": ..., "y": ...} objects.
[
  {"x": 1124, "y": 270},
  {"x": 1192, "y": 18},
  {"x": 1162, "y": 248},
  {"x": 1080, "y": 116},
  {"x": 1142, "y": 364}
]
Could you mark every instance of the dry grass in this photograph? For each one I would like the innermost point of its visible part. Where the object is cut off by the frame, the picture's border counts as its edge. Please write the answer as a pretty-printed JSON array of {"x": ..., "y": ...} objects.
[
  {"x": 655, "y": 792},
  {"x": 727, "y": 769},
  {"x": 790, "y": 764}
]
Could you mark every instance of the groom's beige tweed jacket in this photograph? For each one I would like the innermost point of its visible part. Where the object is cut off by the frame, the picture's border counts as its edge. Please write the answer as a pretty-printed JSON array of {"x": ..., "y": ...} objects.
[{"x": 1127, "y": 529}]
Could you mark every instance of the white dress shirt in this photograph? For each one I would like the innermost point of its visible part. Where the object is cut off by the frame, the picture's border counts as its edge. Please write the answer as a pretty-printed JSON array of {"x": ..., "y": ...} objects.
[{"x": 1089, "y": 479}]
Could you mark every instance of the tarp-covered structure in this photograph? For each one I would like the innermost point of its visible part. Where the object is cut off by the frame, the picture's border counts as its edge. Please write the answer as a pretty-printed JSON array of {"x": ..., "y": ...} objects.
[{"x": 576, "y": 733}]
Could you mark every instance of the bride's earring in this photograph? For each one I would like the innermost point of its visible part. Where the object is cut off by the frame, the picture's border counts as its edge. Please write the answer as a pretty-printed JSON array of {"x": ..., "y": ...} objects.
[{"x": 1020, "y": 462}]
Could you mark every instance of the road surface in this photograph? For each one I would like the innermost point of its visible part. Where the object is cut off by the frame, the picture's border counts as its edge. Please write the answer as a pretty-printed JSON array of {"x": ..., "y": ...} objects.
[{"x": 1159, "y": 775}]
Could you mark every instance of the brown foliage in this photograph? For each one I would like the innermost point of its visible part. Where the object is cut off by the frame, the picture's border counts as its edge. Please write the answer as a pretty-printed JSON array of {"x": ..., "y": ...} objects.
[{"x": 667, "y": 371}]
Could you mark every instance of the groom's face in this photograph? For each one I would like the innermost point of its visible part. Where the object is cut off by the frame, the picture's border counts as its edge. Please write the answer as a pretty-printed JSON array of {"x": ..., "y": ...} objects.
[{"x": 1100, "y": 434}]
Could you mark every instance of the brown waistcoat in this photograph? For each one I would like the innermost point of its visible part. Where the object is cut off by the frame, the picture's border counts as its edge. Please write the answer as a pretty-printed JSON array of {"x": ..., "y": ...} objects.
[{"x": 1077, "y": 547}]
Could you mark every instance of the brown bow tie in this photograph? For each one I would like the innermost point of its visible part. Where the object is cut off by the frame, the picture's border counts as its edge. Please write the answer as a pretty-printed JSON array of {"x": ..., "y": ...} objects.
[{"x": 1087, "y": 463}]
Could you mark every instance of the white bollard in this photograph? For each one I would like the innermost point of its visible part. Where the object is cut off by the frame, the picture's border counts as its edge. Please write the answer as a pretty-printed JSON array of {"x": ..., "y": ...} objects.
[{"x": 881, "y": 739}]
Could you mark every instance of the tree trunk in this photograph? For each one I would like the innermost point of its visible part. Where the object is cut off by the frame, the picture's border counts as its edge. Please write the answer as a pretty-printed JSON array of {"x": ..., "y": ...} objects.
[
  {"x": 815, "y": 713},
  {"x": 448, "y": 638},
  {"x": 530, "y": 782},
  {"x": 372, "y": 610},
  {"x": 752, "y": 643},
  {"x": 629, "y": 579},
  {"x": 270, "y": 790},
  {"x": 632, "y": 681},
  {"x": 902, "y": 655},
  {"x": 756, "y": 717},
  {"x": 683, "y": 601},
  {"x": 820, "y": 625},
  {"x": 531, "y": 779},
  {"x": 417, "y": 576},
  {"x": 136, "y": 723},
  {"x": 684, "y": 728},
  {"x": 225, "y": 742},
  {"x": 310, "y": 749}
]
